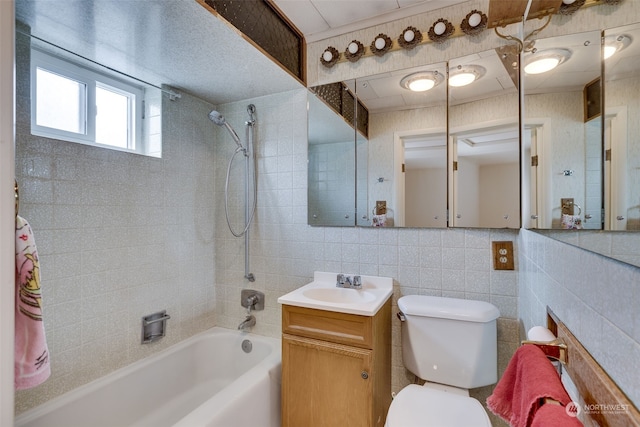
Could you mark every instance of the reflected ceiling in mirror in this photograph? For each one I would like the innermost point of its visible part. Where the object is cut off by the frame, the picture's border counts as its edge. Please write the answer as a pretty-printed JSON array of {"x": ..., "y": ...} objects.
[
  {"x": 622, "y": 136},
  {"x": 562, "y": 137},
  {"x": 407, "y": 146},
  {"x": 484, "y": 140},
  {"x": 619, "y": 165}
]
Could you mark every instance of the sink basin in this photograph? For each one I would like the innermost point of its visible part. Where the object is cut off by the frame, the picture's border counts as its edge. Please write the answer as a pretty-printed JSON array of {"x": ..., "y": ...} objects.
[
  {"x": 339, "y": 295},
  {"x": 322, "y": 294}
]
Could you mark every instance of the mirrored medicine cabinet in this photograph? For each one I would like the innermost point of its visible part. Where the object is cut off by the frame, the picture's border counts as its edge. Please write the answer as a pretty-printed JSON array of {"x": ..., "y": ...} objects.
[
  {"x": 437, "y": 158},
  {"x": 581, "y": 176},
  {"x": 567, "y": 164}
]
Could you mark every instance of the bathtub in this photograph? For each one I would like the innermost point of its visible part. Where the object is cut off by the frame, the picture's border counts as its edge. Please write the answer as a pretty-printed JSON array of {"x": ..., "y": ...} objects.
[{"x": 206, "y": 380}]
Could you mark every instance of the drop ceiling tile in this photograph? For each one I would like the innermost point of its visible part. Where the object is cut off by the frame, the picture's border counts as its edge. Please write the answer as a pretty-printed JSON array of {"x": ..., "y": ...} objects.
[
  {"x": 304, "y": 15},
  {"x": 338, "y": 13}
]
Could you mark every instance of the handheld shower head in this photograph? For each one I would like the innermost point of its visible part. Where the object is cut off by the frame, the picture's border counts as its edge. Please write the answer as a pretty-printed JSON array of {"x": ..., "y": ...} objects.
[{"x": 219, "y": 120}]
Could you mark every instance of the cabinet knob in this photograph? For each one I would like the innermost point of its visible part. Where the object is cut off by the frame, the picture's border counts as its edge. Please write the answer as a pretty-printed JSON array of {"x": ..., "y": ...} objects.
[{"x": 364, "y": 375}]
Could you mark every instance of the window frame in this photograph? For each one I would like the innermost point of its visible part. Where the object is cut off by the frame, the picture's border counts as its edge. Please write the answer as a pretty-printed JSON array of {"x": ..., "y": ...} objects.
[{"x": 91, "y": 79}]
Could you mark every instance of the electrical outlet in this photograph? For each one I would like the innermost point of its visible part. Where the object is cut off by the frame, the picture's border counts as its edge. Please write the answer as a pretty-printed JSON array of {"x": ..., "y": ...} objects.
[{"x": 503, "y": 255}]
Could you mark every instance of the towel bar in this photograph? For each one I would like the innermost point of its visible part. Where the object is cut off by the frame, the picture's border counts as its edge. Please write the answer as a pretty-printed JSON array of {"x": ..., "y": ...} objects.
[{"x": 556, "y": 349}]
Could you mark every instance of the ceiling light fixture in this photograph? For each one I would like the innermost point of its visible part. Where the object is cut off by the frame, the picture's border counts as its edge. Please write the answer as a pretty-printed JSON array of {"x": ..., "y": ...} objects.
[
  {"x": 463, "y": 75},
  {"x": 421, "y": 81},
  {"x": 569, "y": 7},
  {"x": 545, "y": 60},
  {"x": 614, "y": 44}
]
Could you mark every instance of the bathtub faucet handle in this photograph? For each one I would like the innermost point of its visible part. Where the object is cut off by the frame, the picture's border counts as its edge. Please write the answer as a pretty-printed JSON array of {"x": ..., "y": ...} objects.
[{"x": 252, "y": 300}]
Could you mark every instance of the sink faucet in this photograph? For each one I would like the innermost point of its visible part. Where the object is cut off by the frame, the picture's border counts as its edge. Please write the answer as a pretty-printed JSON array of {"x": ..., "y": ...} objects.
[
  {"x": 247, "y": 323},
  {"x": 344, "y": 281}
]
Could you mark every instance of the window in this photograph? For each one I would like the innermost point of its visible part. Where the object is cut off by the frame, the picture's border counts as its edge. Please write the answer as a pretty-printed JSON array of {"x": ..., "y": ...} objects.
[{"x": 78, "y": 104}]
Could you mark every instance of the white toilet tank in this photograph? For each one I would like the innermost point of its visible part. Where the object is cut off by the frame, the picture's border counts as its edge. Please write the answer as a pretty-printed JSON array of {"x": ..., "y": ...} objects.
[{"x": 450, "y": 341}]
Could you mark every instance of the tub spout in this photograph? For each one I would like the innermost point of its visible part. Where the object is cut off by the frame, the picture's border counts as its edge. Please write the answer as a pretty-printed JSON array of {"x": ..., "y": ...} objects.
[{"x": 247, "y": 323}]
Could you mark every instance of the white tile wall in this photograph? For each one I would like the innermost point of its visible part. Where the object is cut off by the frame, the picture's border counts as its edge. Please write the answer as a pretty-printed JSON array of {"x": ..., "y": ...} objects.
[
  {"x": 595, "y": 296},
  {"x": 119, "y": 236}
]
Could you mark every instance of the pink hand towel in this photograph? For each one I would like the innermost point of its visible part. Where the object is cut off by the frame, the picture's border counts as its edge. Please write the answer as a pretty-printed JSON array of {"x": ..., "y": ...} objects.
[
  {"x": 528, "y": 378},
  {"x": 550, "y": 415},
  {"x": 32, "y": 366}
]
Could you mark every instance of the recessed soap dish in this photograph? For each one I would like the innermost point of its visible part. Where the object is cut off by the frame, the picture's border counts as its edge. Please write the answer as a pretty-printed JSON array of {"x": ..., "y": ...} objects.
[{"x": 154, "y": 326}]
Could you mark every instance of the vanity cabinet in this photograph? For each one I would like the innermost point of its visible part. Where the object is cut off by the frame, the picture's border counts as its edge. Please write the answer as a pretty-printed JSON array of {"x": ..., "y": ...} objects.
[{"x": 336, "y": 367}]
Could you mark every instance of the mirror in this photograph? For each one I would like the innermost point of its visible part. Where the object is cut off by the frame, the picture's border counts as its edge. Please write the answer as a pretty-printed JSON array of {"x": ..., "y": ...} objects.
[
  {"x": 406, "y": 177},
  {"x": 562, "y": 133},
  {"x": 484, "y": 147},
  {"x": 621, "y": 159},
  {"x": 331, "y": 157},
  {"x": 621, "y": 128}
]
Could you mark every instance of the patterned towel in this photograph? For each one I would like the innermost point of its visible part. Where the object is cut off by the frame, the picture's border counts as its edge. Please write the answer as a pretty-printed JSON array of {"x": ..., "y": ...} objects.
[{"x": 32, "y": 366}]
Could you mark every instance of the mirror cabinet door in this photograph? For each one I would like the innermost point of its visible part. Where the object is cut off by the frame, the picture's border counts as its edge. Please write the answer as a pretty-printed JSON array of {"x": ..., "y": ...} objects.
[
  {"x": 331, "y": 156},
  {"x": 407, "y": 176},
  {"x": 562, "y": 132},
  {"x": 621, "y": 128},
  {"x": 484, "y": 140}
]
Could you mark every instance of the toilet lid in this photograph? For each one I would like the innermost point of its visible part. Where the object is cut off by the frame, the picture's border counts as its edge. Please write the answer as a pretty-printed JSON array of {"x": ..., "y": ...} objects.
[{"x": 416, "y": 406}]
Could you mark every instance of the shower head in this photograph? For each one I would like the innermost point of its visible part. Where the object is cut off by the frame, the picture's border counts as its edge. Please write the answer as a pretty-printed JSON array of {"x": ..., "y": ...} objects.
[{"x": 219, "y": 119}]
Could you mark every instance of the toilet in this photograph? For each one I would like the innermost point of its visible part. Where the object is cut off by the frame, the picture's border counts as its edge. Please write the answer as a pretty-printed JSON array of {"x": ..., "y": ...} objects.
[{"x": 452, "y": 345}]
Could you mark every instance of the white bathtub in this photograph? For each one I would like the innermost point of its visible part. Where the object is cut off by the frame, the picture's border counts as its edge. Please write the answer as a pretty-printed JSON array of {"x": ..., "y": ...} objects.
[{"x": 206, "y": 380}]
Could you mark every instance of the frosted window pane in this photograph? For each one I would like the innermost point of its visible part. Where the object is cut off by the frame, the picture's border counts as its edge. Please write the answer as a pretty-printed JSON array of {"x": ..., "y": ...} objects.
[
  {"x": 60, "y": 102},
  {"x": 112, "y": 118}
]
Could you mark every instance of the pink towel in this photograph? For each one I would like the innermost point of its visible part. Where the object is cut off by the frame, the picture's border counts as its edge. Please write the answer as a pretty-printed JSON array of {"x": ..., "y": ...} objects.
[
  {"x": 529, "y": 377},
  {"x": 32, "y": 366},
  {"x": 550, "y": 415}
]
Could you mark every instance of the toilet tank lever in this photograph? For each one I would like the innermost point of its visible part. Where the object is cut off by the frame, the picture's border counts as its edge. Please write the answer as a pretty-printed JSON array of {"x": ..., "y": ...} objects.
[{"x": 401, "y": 316}]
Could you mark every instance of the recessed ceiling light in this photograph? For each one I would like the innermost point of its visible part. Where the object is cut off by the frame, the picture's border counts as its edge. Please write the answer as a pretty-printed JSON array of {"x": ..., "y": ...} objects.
[
  {"x": 545, "y": 60},
  {"x": 421, "y": 81},
  {"x": 463, "y": 75},
  {"x": 614, "y": 44}
]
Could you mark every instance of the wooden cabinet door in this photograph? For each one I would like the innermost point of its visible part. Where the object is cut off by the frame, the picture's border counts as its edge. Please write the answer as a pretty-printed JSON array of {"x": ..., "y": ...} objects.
[{"x": 325, "y": 384}]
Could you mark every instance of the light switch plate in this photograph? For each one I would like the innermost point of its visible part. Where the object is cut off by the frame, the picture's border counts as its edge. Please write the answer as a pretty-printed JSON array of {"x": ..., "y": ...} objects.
[{"x": 503, "y": 255}]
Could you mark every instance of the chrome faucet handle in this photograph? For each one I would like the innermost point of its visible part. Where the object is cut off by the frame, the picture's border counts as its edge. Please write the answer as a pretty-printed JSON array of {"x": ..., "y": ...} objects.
[
  {"x": 343, "y": 281},
  {"x": 357, "y": 282},
  {"x": 251, "y": 301}
]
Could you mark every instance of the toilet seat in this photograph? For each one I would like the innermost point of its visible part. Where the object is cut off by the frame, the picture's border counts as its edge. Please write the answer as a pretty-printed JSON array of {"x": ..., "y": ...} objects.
[{"x": 416, "y": 406}]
